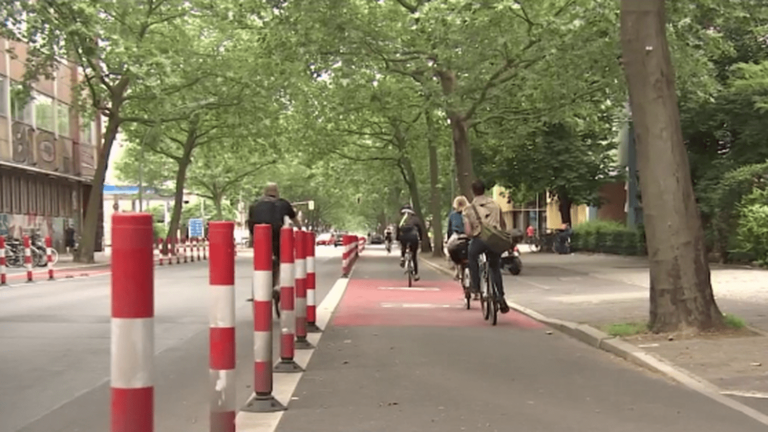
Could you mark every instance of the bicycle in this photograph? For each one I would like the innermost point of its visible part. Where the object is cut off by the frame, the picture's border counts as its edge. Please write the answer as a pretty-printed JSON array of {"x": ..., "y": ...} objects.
[
  {"x": 489, "y": 297},
  {"x": 465, "y": 284},
  {"x": 409, "y": 267},
  {"x": 388, "y": 247}
]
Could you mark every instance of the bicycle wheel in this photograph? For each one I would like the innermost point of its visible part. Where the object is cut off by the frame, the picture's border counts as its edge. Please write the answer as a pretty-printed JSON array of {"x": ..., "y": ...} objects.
[
  {"x": 494, "y": 308},
  {"x": 39, "y": 259},
  {"x": 486, "y": 297},
  {"x": 465, "y": 285},
  {"x": 54, "y": 256}
]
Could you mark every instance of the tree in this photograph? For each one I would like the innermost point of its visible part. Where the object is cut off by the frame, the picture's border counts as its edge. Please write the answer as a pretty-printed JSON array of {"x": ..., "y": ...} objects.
[
  {"x": 681, "y": 291},
  {"x": 122, "y": 49}
]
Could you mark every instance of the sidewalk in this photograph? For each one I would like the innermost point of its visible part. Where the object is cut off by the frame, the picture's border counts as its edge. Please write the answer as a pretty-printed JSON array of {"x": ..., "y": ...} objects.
[
  {"x": 600, "y": 290},
  {"x": 395, "y": 358}
]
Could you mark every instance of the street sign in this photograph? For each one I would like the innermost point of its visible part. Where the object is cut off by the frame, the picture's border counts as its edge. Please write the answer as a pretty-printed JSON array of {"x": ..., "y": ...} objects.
[
  {"x": 195, "y": 227},
  {"x": 311, "y": 204}
]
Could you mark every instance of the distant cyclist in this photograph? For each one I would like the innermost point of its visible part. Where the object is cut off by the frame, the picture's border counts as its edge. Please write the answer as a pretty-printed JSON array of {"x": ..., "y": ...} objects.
[
  {"x": 388, "y": 239},
  {"x": 408, "y": 234}
]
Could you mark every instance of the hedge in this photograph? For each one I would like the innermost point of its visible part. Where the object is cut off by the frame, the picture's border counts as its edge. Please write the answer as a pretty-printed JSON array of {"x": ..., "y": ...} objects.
[{"x": 608, "y": 237}]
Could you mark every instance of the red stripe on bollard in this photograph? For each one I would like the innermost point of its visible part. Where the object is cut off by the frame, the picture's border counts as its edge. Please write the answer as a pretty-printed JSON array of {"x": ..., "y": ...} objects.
[
  {"x": 262, "y": 400},
  {"x": 345, "y": 255},
  {"x": 160, "y": 251},
  {"x": 184, "y": 248},
  {"x": 177, "y": 250},
  {"x": 205, "y": 249},
  {"x": 287, "y": 315},
  {"x": 28, "y": 257},
  {"x": 222, "y": 328},
  {"x": 311, "y": 285},
  {"x": 301, "y": 291},
  {"x": 3, "y": 279},
  {"x": 197, "y": 246},
  {"x": 133, "y": 333},
  {"x": 49, "y": 256}
]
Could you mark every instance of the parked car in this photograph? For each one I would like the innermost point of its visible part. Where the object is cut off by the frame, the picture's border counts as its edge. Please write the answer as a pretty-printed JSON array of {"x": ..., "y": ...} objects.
[
  {"x": 377, "y": 239},
  {"x": 325, "y": 239},
  {"x": 339, "y": 239}
]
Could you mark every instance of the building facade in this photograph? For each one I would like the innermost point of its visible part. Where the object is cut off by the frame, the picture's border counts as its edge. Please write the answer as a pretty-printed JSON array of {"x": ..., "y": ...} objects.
[{"x": 47, "y": 151}]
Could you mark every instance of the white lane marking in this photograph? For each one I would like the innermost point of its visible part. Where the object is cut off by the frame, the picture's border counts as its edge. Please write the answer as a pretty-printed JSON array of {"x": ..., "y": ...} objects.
[
  {"x": 417, "y": 305},
  {"x": 410, "y": 288},
  {"x": 745, "y": 394},
  {"x": 284, "y": 385}
]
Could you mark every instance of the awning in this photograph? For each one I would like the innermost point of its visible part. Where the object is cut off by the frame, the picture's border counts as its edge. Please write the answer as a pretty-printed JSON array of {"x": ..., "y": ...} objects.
[{"x": 20, "y": 167}]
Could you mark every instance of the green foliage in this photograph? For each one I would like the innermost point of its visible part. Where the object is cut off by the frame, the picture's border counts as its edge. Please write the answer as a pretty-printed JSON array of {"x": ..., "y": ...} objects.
[
  {"x": 752, "y": 229},
  {"x": 608, "y": 237},
  {"x": 720, "y": 203}
]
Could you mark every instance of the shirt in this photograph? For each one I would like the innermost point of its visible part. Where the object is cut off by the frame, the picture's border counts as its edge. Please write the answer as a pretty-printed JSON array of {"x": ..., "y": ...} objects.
[{"x": 487, "y": 209}]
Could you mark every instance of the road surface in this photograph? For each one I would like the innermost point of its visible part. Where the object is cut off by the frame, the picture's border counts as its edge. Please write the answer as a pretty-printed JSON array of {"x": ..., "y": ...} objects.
[{"x": 55, "y": 338}]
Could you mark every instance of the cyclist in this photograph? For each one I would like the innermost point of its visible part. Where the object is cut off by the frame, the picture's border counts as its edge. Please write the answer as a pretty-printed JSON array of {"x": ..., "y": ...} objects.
[
  {"x": 272, "y": 210},
  {"x": 490, "y": 212},
  {"x": 388, "y": 238},
  {"x": 456, "y": 227},
  {"x": 408, "y": 234}
]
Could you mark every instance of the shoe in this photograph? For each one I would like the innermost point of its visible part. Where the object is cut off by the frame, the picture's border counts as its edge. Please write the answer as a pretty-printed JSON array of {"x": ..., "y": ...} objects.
[
  {"x": 402, "y": 262},
  {"x": 416, "y": 278},
  {"x": 503, "y": 306}
]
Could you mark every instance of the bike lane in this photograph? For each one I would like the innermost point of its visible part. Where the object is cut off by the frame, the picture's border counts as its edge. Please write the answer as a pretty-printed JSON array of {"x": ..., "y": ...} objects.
[{"x": 394, "y": 358}]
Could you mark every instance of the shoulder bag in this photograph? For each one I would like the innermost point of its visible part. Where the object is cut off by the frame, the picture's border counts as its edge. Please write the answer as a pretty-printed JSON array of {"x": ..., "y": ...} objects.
[{"x": 496, "y": 239}]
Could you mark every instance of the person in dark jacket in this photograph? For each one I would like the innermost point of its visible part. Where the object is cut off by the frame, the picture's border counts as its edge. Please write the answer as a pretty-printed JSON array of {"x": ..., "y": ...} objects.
[
  {"x": 272, "y": 210},
  {"x": 409, "y": 233}
]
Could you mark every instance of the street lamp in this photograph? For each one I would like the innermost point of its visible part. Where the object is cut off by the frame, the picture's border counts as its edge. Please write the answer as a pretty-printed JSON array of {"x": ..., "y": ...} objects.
[{"x": 144, "y": 138}]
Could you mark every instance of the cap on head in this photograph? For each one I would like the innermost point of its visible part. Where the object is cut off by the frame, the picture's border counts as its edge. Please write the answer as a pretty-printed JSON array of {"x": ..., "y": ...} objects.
[{"x": 271, "y": 190}]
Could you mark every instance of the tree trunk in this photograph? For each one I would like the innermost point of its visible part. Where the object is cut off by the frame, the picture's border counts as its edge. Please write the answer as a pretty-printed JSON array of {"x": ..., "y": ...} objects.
[
  {"x": 410, "y": 179},
  {"x": 681, "y": 291},
  {"x": 217, "y": 198},
  {"x": 564, "y": 204},
  {"x": 465, "y": 174},
  {"x": 462, "y": 154},
  {"x": 437, "y": 219},
  {"x": 95, "y": 201}
]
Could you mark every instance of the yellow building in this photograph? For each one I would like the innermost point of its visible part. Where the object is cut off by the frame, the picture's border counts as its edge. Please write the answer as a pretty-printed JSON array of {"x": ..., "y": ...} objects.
[{"x": 519, "y": 216}]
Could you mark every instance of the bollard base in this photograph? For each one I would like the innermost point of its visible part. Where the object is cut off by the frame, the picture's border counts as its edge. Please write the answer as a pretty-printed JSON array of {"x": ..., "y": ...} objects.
[
  {"x": 263, "y": 404},
  {"x": 303, "y": 344},
  {"x": 313, "y": 328},
  {"x": 287, "y": 366}
]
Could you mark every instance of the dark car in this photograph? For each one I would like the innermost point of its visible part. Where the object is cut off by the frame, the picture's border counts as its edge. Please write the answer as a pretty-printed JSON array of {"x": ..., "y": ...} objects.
[
  {"x": 339, "y": 240},
  {"x": 377, "y": 239}
]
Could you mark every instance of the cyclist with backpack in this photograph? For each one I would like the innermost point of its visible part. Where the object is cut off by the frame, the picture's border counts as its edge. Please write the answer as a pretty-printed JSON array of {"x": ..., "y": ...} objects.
[
  {"x": 272, "y": 210},
  {"x": 408, "y": 234}
]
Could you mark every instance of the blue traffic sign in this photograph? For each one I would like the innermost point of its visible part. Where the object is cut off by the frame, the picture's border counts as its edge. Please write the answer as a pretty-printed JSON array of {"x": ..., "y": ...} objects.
[{"x": 195, "y": 227}]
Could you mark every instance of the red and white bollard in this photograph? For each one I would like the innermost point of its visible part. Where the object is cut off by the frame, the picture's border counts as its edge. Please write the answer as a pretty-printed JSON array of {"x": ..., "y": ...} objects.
[
  {"x": 168, "y": 250},
  {"x": 287, "y": 315},
  {"x": 360, "y": 245},
  {"x": 184, "y": 248},
  {"x": 262, "y": 400},
  {"x": 301, "y": 291},
  {"x": 28, "y": 257},
  {"x": 177, "y": 250},
  {"x": 133, "y": 331},
  {"x": 197, "y": 247},
  {"x": 3, "y": 277},
  {"x": 311, "y": 284},
  {"x": 49, "y": 256},
  {"x": 345, "y": 256},
  {"x": 160, "y": 251},
  {"x": 191, "y": 250},
  {"x": 222, "y": 328}
]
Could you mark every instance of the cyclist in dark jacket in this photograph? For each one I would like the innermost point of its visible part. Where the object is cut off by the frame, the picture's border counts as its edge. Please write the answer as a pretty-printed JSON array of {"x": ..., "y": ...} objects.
[{"x": 408, "y": 234}]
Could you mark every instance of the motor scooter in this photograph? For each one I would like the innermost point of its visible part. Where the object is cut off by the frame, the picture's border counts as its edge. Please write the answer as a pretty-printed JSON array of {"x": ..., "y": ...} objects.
[{"x": 510, "y": 260}]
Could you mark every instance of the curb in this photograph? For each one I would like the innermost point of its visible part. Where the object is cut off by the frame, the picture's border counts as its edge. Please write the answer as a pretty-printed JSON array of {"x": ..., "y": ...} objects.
[{"x": 619, "y": 348}]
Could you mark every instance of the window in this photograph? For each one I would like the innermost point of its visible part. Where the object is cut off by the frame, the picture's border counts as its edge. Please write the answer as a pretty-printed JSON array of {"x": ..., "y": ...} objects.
[
  {"x": 21, "y": 109},
  {"x": 3, "y": 97},
  {"x": 62, "y": 117},
  {"x": 86, "y": 131},
  {"x": 44, "y": 113}
]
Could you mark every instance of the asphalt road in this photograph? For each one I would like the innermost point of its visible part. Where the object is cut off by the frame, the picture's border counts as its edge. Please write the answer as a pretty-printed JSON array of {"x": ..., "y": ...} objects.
[
  {"x": 403, "y": 360},
  {"x": 55, "y": 338}
]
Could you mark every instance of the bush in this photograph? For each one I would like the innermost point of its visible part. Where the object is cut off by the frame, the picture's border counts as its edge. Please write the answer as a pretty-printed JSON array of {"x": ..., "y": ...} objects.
[
  {"x": 752, "y": 229},
  {"x": 608, "y": 237}
]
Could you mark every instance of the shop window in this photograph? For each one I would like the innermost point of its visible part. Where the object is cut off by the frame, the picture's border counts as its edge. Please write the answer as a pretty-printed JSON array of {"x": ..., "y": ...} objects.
[{"x": 45, "y": 116}]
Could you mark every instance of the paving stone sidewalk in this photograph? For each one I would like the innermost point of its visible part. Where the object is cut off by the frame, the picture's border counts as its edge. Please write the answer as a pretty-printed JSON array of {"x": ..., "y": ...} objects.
[{"x": 603, "y": 289}]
